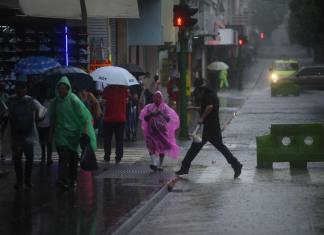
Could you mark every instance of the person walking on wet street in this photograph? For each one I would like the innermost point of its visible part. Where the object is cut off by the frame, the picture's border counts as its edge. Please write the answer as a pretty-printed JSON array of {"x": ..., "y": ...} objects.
[
  {"x": 159, "y": 123},
  {"x": 132, "y": 112},
  {"x": 209, "y": 117},
  {"x": 22, "y": 109},
  {"x": 115, "y": 97},
  {"x": 43, "y": 127},
  {"x": 3, "y": 119},
  {"x": 91, "y": 102},
  {"x": 71, "y": 123},
  {"x": 223, "y": 79}
]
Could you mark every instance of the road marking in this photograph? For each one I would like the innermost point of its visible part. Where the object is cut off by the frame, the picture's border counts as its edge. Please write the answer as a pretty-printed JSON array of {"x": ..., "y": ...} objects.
[{"x": 131, "y": 155}]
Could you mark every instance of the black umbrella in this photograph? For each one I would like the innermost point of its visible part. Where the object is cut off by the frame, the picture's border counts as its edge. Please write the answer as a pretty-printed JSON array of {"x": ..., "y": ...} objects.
[
  {"x": 78, "y": 78},
  {"x": 134, "y": 69}
]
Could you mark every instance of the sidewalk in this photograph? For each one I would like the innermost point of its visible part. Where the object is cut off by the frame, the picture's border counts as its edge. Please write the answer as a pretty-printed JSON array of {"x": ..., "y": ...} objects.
[{"x": 98, "y": 206}]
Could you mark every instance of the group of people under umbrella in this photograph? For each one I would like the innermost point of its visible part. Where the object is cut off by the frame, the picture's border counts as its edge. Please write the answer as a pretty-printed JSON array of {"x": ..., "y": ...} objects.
[{"x": 68, "y": 121}]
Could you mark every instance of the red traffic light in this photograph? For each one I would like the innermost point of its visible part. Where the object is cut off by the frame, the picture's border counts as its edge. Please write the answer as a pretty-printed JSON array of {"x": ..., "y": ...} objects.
[
  {"x": 182, "y": 16},
  {"x": 262, "y": 35},
  {"x": 179, "y": 21},
  {"x": 242, "y": 40}
]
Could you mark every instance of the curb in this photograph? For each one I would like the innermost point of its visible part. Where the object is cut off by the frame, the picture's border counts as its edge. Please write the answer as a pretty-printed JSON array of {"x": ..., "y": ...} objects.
[{"x": 140, "y": 211}]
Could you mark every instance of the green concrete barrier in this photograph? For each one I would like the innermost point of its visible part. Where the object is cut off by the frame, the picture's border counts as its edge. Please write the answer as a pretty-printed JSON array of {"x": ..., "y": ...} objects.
[
  {"x": 293, "y": 143},
  {"x": 285, "y": 88}
]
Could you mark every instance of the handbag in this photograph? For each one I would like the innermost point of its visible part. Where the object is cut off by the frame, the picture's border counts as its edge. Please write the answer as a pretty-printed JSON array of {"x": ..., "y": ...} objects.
[
  {"x": 88, "y": 160},
  {"x": 196, "y": 135}
]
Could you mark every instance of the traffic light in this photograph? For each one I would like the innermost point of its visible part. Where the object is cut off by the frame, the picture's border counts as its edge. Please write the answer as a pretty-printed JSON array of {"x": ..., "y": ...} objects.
[
  {"x": 242, "y": 40},
  {"x": 182, "y": 14},
  {"x": 262, "y": 35}
]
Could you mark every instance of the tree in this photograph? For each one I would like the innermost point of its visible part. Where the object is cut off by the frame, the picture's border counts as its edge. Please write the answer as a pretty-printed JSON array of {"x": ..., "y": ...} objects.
[
  {"x": 306, "y": 22},
  {"x": 306, "y": 25},
  {"x": 267, "y": 15}
]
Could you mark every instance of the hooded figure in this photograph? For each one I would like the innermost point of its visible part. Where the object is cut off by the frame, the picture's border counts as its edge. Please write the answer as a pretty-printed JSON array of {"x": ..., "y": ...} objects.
[
  {"x": 71, "y": 120},
  {"x": 159, "y": 123}
]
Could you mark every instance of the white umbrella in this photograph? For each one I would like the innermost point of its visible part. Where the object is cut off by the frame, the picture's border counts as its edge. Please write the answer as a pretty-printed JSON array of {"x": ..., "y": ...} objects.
[
  {"x": 113, "y": 75},
  {"x": 217, "y": 65}
]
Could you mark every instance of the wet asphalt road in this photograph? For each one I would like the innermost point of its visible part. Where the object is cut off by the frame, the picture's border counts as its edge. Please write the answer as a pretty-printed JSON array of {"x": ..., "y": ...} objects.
[{"x": 278, "y": 201}]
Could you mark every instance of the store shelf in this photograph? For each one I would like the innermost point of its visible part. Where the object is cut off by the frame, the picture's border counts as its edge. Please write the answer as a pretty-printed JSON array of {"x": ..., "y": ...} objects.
[{"x": 36, "y": 38}]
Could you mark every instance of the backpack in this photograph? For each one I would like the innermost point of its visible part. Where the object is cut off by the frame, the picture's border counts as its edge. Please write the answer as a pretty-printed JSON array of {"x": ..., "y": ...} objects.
[{"x": 22, "y": 116}]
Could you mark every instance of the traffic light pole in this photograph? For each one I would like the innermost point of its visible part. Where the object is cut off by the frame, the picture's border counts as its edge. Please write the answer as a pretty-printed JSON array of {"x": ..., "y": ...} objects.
[
  {"x": 183, "y": 41},
  {"x": 182, "y": 14}
]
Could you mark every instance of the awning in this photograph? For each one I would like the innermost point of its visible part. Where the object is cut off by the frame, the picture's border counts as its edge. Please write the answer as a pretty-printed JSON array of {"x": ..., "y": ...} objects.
[{"x": 70, "y": 9}]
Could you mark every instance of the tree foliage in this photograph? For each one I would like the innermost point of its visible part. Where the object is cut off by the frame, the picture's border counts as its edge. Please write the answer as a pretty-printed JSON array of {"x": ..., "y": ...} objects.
[
  {"x": 267, "y": 15},
  {"x": 306, "y": 22}
]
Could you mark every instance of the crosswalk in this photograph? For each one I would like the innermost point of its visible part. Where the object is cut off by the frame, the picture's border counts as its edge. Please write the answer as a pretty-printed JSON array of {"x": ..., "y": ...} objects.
[{"x": 131, "y": 155}]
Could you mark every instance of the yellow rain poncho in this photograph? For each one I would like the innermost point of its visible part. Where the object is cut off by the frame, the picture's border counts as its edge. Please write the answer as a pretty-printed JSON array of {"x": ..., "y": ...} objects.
[{"x": 70, "y": 118}]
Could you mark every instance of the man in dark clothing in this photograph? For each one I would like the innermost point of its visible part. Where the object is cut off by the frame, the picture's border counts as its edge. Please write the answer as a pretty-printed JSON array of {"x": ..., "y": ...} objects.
[
  {"x": 22, "y": 109},
  {"x": 209, "y": 116},
  {"x": 132, "y": 112}
]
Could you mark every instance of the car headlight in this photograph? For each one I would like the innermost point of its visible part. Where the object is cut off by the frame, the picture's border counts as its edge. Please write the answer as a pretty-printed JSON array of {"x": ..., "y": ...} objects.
[{"x": 274, "y": 77}]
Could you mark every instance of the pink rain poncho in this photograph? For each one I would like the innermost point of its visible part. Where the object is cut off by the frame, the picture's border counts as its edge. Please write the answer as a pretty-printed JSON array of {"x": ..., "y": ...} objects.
[{"x": 159, "y": 129}]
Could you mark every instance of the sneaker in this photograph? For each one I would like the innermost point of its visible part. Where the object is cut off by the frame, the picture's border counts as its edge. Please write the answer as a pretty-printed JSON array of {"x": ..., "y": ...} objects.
[
  {"x": 237, "y": 170},
  {"x": 160, "y": 168},
  {"x": 118, "y": 159},
  {"x": 107, "y": 158},
  {"x": 182, "y": 171},
  {"x": 153, "y": 167}
]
